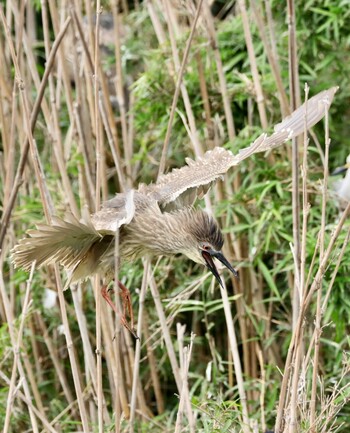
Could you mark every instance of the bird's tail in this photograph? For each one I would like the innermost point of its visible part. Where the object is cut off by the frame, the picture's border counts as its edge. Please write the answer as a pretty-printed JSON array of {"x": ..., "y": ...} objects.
[{"x": 65, "y": 241}]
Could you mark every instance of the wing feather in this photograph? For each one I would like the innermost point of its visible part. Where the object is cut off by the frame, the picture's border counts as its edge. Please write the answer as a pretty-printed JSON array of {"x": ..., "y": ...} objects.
[
  {"x": 114, "y": 213},
  {"x": 66, "y": 241},
  {"x": 177, "y": 187}
]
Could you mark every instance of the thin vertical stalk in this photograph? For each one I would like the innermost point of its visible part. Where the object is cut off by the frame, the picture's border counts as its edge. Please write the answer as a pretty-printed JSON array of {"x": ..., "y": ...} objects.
[
  {"x": 271, "y": 54},
  {"x": 153, "y": 367},
  {"x": 185, "y": 96},
  {"x": 63, "y": 63},
  {"x": 294, "y": 102},
  {"x": 253, "y": 64},
  {"x": 301, "y": 285},
  {"x": 136, "y": 378},
  {"x": 179, "y": 87},
  {"x": 99, "y": 171},
  {"x": 16, "y": 356},
  {"x": 221, "y": 75},
  {"x": 48, "y": 212},
  {"x": 318, "y": 329},
  {"x": 56, "y": 361},
  {"x": 236, "y": 358},
  {"x": 166, "y": 333},
  {"x": 55, "y": 128},
  {"x": 185, "y": 357},
  {"x": 70, "y": 348},
  {"x": 25, "y": 148},
  {"x": 305, "y": 305},
  {"x": 120, "y": 90}
]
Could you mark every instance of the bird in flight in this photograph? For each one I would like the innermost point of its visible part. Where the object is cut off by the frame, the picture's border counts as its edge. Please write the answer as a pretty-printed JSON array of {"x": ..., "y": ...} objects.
[{"x": 156, "y": 219}]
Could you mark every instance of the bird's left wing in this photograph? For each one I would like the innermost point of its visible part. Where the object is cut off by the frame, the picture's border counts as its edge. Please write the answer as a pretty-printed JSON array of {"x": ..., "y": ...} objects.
[
  {"x": 182, "y": 186},
  {"x": 115, "y": 213}
]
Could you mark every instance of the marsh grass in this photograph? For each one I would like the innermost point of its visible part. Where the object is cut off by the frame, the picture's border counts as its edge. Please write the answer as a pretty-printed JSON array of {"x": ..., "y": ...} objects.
[{"x": 82, "y": 119}]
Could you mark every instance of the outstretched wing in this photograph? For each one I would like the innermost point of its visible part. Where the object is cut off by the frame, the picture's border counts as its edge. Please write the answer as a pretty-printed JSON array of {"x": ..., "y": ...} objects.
[
  {"x": 182, "y": 186},
  {"x": 68, "y": 241}
]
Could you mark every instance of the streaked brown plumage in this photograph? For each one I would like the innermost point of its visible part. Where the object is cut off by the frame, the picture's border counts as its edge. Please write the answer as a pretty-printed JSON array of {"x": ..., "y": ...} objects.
[{"x": 156, "y": 219}]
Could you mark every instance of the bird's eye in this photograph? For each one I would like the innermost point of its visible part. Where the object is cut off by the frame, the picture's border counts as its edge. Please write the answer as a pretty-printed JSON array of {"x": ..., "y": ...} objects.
[{"x": 205, "y": 247}]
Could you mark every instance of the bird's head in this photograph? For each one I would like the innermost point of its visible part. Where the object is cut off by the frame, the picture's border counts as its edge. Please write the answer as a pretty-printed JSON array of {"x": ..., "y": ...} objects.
[
  {"x": 206, "y": 243},
  {"x": 343, "y": 168}
]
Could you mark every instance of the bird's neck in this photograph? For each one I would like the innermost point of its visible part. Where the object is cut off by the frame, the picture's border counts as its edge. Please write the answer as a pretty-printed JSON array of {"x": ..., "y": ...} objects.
[{"x": 153, "y": 233}]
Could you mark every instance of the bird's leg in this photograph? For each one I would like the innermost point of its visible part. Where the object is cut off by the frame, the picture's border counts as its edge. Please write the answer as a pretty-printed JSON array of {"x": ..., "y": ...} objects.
[{"x": 126, "y": 305}]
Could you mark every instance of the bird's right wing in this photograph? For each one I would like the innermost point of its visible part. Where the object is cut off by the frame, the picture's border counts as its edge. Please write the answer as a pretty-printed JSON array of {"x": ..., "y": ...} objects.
[
  {"x": 66, "y": 241},
  {"x": 182, "y": 186}
]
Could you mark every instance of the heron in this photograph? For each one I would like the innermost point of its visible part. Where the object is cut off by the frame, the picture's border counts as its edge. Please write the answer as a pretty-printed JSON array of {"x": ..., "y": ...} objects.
[{"x": 157, "y": 219}]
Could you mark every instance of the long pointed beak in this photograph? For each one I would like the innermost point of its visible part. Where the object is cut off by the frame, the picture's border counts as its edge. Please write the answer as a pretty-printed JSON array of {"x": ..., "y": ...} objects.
[{"x": 208, "y": 257}]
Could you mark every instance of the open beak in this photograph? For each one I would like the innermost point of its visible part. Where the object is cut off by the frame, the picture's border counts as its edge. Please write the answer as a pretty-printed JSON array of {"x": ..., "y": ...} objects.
[{"x": 208, "y": 257}]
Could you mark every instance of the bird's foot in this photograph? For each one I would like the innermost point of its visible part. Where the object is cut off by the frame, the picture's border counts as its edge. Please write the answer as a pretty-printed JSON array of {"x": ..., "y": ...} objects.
[{"x": 127, "y": 308}]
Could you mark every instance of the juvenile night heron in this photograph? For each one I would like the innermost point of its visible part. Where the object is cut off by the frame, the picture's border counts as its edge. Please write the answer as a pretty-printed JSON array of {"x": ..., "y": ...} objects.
[{"x": 156, "y": 219}]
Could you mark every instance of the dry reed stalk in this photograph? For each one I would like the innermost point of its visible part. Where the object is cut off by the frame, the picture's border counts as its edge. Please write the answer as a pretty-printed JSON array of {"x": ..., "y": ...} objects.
[
  {"x": 221, "y": 75},
  {"x": 128, "y": 151},
  {"x": 178, "y": 87},
  {"x": 6, "y": 125},
  {"x": 205, "y": 100},
  {"x": 54, "y": 128},
  {"x": 153, "y": 367},
  {"x": 31, "y": 61},
  {"x": 253, "y": 65},
  {"x": 25, "y": 106},
  {"x": 62, "y": 62},
  {"x": 48, "y": 212},
  {"x": 185, "y": 358},
  {"x": 130, "y": 367},
  {"x": 74, "y": 365},
  {"x": 326, "y": 298},
  {"x": 297, "y": 333},
  {"x": 116, "y": 157},
  {"x": 262, "y": 388},
  {"x": 105, "y": 107},
  {"x": 28, "y": 403},
  {"x": 55, "y": 360},
  {"x": 271, "y": 53},
  {"x": 35, "y": 346},
  {"x": 197, "y": 146},
  {"x": 158, "y": 28},
  {"x": 318, "y": 329},
  {"x": 99, "y": 171},
  {"x": 294, "y": 102},
  {"x": 9, "y": 147},
  {"x": 32, "y": 381},
  {"x": 25, "y": 148},
  {"x": 166, "y": 333},
  {"x": 121, "y": 401},
  {"x": 16, "y": 344},
  {"x": 234, "y": 244},
  {"x": 236, "y": 358},
  {"x": 301, "y": 285},
  {"x": 136, "y": 379}
]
